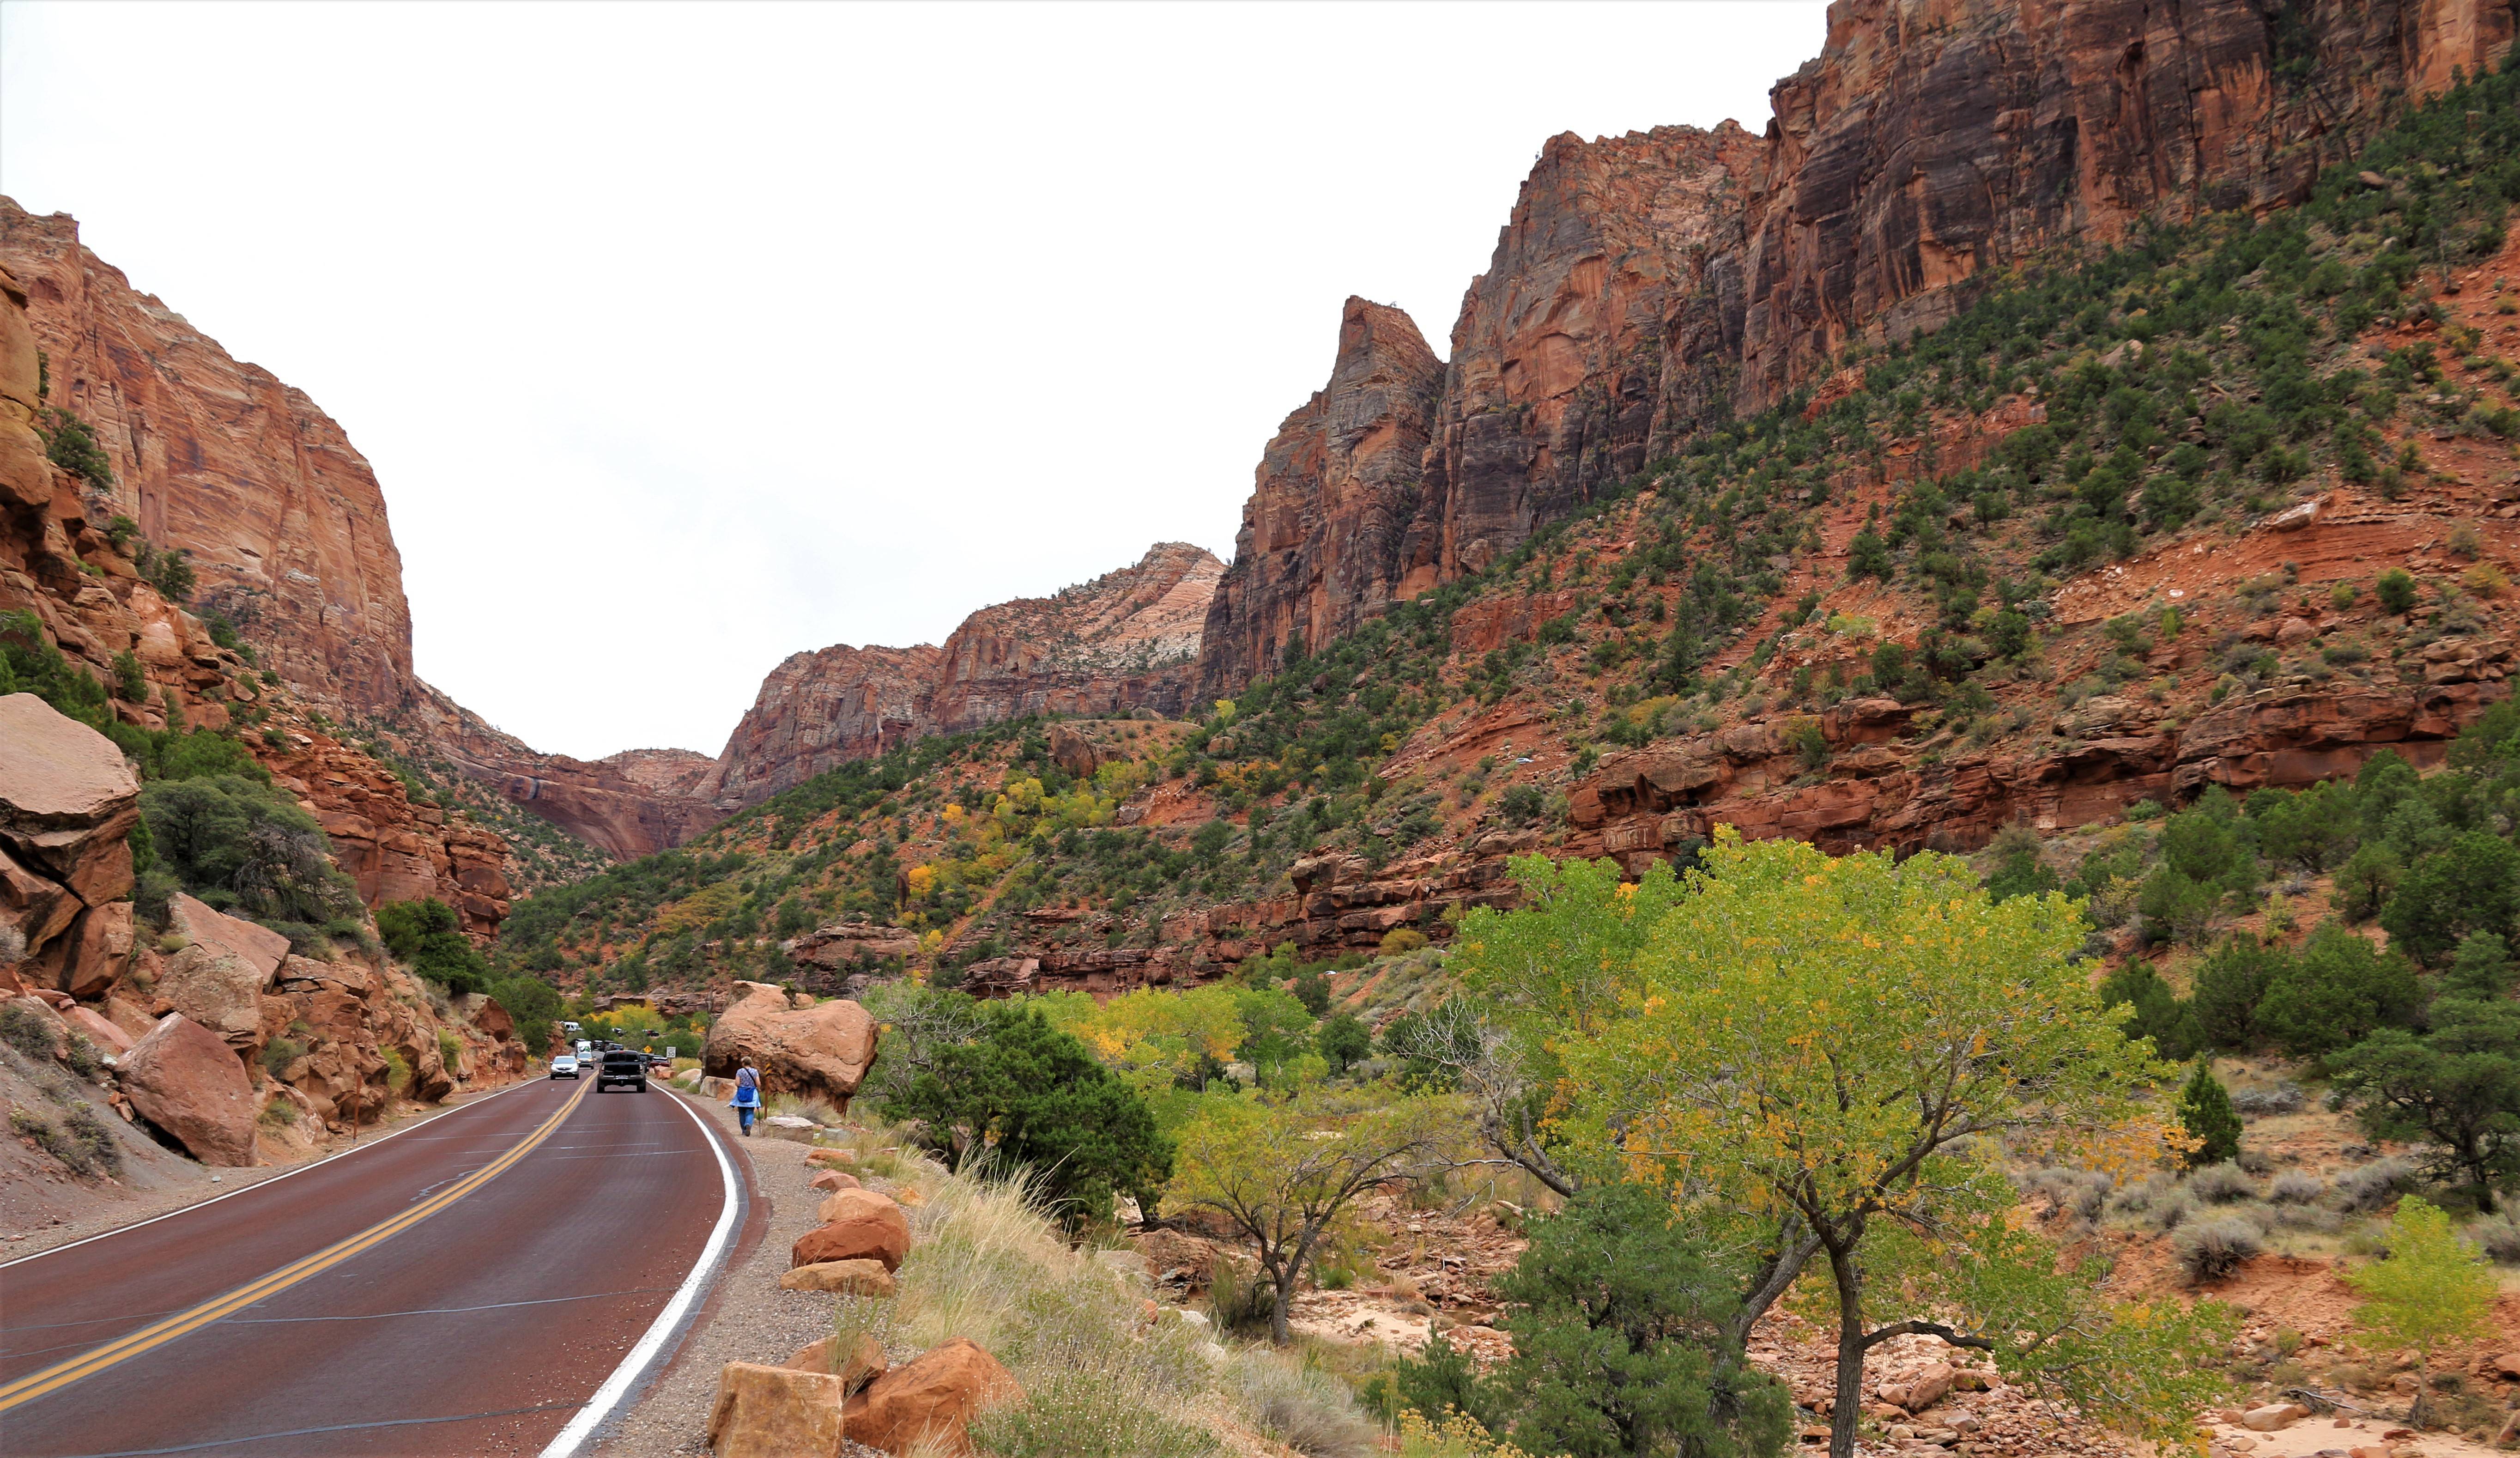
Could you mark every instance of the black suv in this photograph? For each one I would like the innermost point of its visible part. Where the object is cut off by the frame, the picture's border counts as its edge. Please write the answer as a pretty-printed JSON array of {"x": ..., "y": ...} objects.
[{"x": 626, "y": 1066}]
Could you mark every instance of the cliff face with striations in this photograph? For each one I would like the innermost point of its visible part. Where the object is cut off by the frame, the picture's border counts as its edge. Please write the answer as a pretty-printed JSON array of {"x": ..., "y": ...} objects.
[
  {"x": 1126, "y": 640},
  {"x": 88, "y": 600},
  {"x": 285, "y": 522},
  {"x": 287, "y": 530},
  {"x": 1325, "y": 535},
  {"x": 1649, "y": 284},
  {"x": 629, "y": 805}
]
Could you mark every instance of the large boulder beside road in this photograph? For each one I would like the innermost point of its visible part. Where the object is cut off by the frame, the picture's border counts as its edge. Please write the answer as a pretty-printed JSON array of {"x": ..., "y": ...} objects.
[
  {"x": 776, "y": 1412},
  {"x": 823, "y": 1050},
  {"x": 258, "y": 947},
  {"x": 67, "y": 803},
  {"x": 216, "y": 988},
  {"x": 862, "y": 1277},
  {"x": 930, "y": 1400},
  {"x": 857, "y": 1225},
  {"x": 858, "y": 1360},
  {"x": 185, "y": 1080}
]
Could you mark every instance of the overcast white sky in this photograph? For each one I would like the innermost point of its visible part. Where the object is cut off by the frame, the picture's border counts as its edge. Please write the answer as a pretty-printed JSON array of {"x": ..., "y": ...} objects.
[{"x": 684, "y": 338}]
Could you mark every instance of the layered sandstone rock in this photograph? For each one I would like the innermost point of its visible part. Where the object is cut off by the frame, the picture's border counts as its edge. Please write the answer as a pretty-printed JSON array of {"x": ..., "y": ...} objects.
[
  {"x": 1650, "y": 284},
  {"x": 823, "y": 1050},
  {"x": 926, "y": 1403},
  {"x": 763, "y": 1411},
  {"x": 630, "y": 804},
  {"x": 183, "y": 1078},
  {"x": 1325, "y": 537},
  {"x": 68, "y": 804},
  {"x": 283, "y": 517},
  {"x": 1126, "y": 640}
]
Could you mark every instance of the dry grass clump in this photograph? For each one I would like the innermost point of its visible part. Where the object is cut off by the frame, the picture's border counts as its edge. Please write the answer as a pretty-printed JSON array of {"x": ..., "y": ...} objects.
[
  {"x": 803, "y": 1106},
  {"x": 1307, "y": 1409},
  {"x": 2296, "y": 1187},
  {"x": 2499, "y": 1238},
  {"x": 987, "y": 1262},
  {"x": 2222, "y": 1184},
  {"x": 2211, "y": 1250},
  {"x": 2371, "y": 1187}
]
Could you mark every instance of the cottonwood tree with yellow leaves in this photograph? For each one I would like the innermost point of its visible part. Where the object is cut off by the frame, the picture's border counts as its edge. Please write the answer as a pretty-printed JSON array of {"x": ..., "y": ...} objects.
[{"x": 1817, "y": 1061}]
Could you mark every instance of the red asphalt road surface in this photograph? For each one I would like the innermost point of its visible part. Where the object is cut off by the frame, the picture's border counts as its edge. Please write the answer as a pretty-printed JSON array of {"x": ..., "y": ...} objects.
[{"x": 482, "y": 1329}]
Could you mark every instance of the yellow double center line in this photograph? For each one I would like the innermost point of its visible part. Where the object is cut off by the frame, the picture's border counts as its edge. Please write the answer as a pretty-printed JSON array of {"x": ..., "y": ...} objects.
[{"x": 52, "y": 1379}]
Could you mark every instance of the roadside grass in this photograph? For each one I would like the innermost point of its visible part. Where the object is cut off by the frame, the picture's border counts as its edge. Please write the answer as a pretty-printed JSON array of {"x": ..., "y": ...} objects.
[{"x": 1100, "y": 1379}]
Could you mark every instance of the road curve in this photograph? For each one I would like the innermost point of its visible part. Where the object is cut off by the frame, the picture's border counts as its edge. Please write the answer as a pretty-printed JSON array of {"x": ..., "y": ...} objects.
[{"x": 466, "y": 1287}]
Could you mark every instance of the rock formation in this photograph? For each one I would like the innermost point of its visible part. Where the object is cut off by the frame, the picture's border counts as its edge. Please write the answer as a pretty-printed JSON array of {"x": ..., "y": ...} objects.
[
  {"x": 1325, "y": 537},
  {"x": 1647, "y": 284},
  {"x": 66, "y": 808},
  {"x": 284, "y": 519},
  {"x": 1128, "y": 639},
  {"x": 823, "y": 1050},
  {"x": 183, "y": 1079},
  {"x": 630, "y": 804}
]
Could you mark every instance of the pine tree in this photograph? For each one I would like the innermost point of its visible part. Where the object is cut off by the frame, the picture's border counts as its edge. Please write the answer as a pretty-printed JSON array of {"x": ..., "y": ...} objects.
[{"x": 2205, "y": 1110}]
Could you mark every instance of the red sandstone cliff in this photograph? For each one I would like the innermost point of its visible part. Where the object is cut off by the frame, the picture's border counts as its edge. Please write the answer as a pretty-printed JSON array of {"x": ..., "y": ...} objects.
[
  {"x": 1649, "y": 284},
  {"x": 1325, "y": 538},
  {"x": 1128, "y": 639},
  {"x": 87, "y": 598},
  {"x": 287, "y": 527}
]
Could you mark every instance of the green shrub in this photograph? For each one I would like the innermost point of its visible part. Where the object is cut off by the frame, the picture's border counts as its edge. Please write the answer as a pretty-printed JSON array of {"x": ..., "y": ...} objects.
[
  {"x": 1035, "y": 1098},
  {"x": 280, "y": 1053},
  {"x": 2471, "y": 884},
  {"x": 2205, "y": 1111},
  {"x": 450, "y": 1049},
  {"x": 426, "y": 935},
  {"x": 2397, "y": 590},
  {"x": 2336, "y": 991},
  {"x": 238, "y": 845},
  {"x": 72, "y": 447}
]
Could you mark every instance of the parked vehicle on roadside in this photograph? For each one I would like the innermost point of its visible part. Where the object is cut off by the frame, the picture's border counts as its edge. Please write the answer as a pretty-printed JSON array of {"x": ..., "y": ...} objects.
[
  {"x": 661, "y": 1061},
  {"x": 622, "y": 1067},
  {"x": 565, "y": 1066}
]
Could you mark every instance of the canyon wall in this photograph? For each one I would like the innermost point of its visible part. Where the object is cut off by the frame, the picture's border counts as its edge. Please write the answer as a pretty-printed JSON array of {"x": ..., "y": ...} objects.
[
  {"x": 287, "y": 530},
  {"x": 1129, "y": 639},
  {"x": 1649, "y": 284}
]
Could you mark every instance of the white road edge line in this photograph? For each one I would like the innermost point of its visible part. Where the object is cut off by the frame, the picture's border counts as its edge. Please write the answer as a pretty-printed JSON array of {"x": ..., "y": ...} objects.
[
  {"x": 617, "y": 1387},
  {"x": 266, "y": 1184}
]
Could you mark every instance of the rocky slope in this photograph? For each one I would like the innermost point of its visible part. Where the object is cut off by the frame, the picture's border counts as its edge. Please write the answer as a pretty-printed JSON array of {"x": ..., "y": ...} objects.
[
  {"x": 1126, "y": 640},
  {"x": 1650, "y": 284}
]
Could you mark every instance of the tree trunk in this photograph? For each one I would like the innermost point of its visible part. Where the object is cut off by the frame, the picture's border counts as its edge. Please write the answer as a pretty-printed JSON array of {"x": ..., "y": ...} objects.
[
  {"x": 1850, "y": 1353},
  {"x": 1282, "y": 1293}
]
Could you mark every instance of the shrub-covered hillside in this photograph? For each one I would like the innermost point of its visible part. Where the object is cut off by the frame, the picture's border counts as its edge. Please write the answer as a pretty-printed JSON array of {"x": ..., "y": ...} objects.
[{"x": 1977, "y": 528}]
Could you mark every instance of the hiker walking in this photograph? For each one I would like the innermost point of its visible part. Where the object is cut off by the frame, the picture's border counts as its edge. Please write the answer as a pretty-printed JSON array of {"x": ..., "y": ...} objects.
[{"x": 748, "y": 1096}]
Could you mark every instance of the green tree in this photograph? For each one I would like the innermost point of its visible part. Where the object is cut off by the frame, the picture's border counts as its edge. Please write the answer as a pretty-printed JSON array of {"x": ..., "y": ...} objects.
[
  {"x": 1312, "y": 988},
  {"x": 2397, "y": 589},
  {"x": 2335, "y": 991},
  {"x": 2472, "y": 885},
  {"x": 2153, "y": 1011},
  {"x": 428, "y": 937},
  {"x": 1280, "y": 1170},
  {"x": 1624, "y": 1341},
  {"x": 2018, "y": 868},
  {"x": 72, "y": 447},
  {"x": 2366, "y": 881},
  {"x": 237, "y": 844},
  {"x": 1277, "y": 1029},
  {"x": 2453, "y": 1091},
  {"x": 2205, "y": 1110},
  {"x": 2313, "y": 829},
  {"x": 1832, "y": 1044},
  {"x": 2479, "y": 967},
  {"x": 2228, "y": 986},
  {"x": 2430, "y": 1290},
  {"x": 1033, "y": 1096},
  {"x": 1344, "y": 1041}
]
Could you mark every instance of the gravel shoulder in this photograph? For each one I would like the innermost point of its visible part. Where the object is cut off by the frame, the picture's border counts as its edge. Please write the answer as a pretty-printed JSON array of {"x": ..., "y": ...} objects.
[{"x": 747, "y": 1318}]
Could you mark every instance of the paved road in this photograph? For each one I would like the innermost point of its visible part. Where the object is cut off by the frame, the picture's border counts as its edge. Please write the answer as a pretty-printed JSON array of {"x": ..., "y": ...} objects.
[{"x": 467, "y": 1287}]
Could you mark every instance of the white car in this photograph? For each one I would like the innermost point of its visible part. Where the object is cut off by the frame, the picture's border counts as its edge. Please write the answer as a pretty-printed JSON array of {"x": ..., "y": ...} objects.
[{"x": 565, "y": 1066}]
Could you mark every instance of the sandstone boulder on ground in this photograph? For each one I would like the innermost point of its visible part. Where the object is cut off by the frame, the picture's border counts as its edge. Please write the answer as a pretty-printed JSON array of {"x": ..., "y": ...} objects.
[
  {"x": 259, "y": 947},
  {"x": 832, "y": 1179},
  {"x": 216, "y": 988},
  {"x": 776, "y": 1412},
  {"x": 1920, "y": 1391},
  {"x": 67, "y": 802},
  {"x": 825, "y": 1049},
  {"x": 2275, "y": 1417},
  {"x": 857, "y": 1225},
  {"x": 930, "y": 1399},
  {"x": 184, "y": 1079},
  {"x": 856, "y": 1361},
  {"x": 99, "y": 1031},
  {"x": 861, "y": 1277}
]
